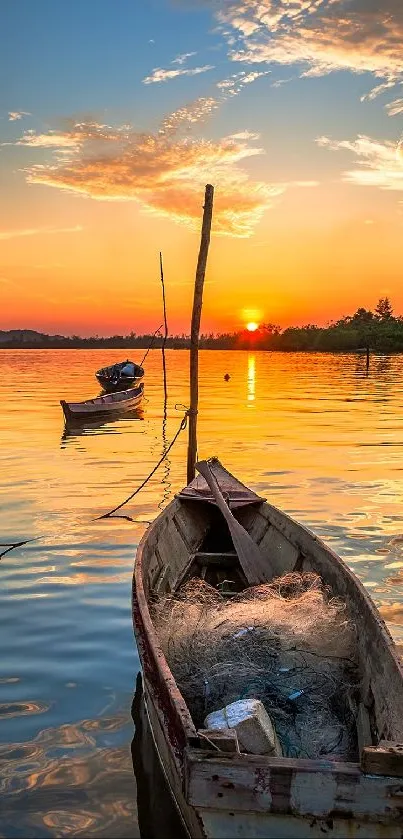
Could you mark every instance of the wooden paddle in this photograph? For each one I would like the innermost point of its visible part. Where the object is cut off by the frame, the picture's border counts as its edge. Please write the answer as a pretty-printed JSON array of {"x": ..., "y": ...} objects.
[{"x": 253, "y": 565}]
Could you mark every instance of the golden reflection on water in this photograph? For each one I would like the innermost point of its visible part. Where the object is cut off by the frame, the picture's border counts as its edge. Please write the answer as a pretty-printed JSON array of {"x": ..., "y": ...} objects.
[
  {"x": 251, "y": 377},
  {"x": 323, "y": 442},
  {"x": 71, "y": 794}
]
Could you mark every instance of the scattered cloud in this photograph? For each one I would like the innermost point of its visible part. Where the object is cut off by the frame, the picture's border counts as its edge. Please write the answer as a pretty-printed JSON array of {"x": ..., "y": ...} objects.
[
  {"x": 53, "y": 139},
  {"x": 377, "y": 90},
  {"x": 234, "y": 84},
  {"x": 181, "y": 59},
  {"x": 161, "y": 75},
  {"x": 244, "y": 135},
  {"x": 183, "y": 119},
  {"x": 320, "y": 35},
  {"x": 381, "y": 162},
  {"x": 164, "y": 171},
  {"x": 394, "y": 108},
  {"x": 37, "y": 231},
  {"x": 14, "y": 115},
  {"x": 281, "y": 82}
]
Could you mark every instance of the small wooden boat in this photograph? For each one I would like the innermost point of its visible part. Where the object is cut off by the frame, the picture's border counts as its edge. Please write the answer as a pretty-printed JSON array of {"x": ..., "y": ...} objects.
[
  {"x": 120, "y": 376},
  {"x": 106, "y": 405},
  {"x": 222, "y": 794}
]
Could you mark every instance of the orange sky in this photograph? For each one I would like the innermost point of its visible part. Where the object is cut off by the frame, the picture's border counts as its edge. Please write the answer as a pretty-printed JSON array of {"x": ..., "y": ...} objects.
[
  {"x": 308, "y": 216},
  {"x": 103, "y": 277}
]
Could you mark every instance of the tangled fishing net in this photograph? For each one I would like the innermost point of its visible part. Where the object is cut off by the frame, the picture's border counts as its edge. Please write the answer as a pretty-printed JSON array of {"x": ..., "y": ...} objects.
[{"x": 287, "y": 643}]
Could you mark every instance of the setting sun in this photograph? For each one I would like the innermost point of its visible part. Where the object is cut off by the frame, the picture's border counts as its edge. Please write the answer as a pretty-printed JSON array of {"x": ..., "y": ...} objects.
[{"x": 252, "y": 326}]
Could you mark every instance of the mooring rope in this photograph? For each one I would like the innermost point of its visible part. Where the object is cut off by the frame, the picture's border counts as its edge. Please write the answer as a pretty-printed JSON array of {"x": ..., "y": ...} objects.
[
  {"x": 157, "y": 332},
  {"x": 10, "y": 546},
  {"x": 182, "y": 427}
]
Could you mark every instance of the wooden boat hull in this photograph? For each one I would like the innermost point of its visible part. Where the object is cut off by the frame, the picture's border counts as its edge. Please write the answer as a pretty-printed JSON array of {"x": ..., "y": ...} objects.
[
  {"x": 254, "y": 800},
  {"x": 112, "y": 378},
  {"x": 222, "y": 795},
  {"x": 157, "y": 814},
  {"x": 103, "y": 406}
]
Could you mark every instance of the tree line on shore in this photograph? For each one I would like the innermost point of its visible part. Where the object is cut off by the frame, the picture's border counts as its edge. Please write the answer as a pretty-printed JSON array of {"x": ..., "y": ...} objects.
[{"x": 379, "y": 330}]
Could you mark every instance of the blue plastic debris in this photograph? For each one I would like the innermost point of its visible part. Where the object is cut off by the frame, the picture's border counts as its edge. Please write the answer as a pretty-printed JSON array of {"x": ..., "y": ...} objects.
[{"x": 295, "y": 694}]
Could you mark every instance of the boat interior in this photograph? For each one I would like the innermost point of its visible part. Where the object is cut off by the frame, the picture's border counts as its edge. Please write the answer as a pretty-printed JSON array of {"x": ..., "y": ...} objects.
[{"x": 192, "y": 540}]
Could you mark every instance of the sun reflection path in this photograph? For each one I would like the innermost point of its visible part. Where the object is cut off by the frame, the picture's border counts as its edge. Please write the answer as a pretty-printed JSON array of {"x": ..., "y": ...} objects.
[{"x": 251, "y": 379}]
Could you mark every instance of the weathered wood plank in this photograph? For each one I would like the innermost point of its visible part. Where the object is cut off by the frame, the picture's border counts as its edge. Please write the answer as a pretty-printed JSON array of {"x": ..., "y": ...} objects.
[
  {"x": 173, "y": 550},
  {"x": 364, "y": 735},
  {"x": 281, "y": 554},
  {"x": 228, "y": 560},
  {"x": 153, "y": 570},
  {"x": 218, "y": 824},
  {"x": 307, "y": 788},
  {"x": 223, "y": 740},
  {"x": 164, "y": 585},
  {"x": 253, "y": 520},
  {"x": 171, "y": 760},
  {"x": 375, "y": 647},
  {"x": 191, "y": 522},
  {"x": 386, "y": 759}
]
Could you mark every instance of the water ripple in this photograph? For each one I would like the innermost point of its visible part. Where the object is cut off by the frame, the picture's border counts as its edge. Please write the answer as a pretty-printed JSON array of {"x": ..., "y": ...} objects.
[{"x": 312, "y": 433}]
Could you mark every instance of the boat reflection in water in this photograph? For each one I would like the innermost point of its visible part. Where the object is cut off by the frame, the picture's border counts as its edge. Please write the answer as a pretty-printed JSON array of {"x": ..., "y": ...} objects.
[
  {"x": 99, "y": 425},
  {"x": 156, "y": 812}
]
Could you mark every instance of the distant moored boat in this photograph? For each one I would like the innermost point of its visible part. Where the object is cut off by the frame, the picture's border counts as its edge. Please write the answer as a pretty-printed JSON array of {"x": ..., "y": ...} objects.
[
  {"x": 111, "y": 403},
  {"x": 120, "y": 376}
]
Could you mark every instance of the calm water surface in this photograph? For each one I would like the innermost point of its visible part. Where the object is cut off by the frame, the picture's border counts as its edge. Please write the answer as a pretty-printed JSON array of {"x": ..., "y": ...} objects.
[{"x": 313, "y": 433}]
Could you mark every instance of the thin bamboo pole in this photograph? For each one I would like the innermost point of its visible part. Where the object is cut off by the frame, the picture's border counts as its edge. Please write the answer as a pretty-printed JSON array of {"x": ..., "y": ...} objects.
[
  {"x": 164, "y": 340},
  {"x": 195, "y": 328}
]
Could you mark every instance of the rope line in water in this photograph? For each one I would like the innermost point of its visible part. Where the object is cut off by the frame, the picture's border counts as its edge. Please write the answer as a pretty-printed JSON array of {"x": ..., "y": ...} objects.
[
  {"x": 182, "y": 427},
  {"x": 10, "y": 546}
]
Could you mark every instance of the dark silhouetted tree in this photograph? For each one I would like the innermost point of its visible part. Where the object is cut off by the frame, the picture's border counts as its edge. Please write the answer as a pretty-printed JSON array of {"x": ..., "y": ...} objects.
[{"x": 383, "y": 309}]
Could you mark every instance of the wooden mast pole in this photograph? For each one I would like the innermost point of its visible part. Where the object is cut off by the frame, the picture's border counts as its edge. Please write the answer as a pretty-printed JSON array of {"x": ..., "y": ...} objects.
[
  {"x": 164, "y": 340},
  {"x": 195, "y": 328}
]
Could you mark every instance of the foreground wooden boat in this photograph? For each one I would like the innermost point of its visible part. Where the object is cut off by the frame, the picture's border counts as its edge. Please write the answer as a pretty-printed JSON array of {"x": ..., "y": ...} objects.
[
  {"x": 220, "y": 794},
  {"x": 103, "y": 406},
  {"x": 120, "y": 376}
]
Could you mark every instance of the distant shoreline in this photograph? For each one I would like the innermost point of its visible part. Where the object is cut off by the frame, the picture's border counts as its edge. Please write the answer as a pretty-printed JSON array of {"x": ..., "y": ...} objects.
[
  {"x": 124, "y": 348},
  {"x": 364, "y": 331}
]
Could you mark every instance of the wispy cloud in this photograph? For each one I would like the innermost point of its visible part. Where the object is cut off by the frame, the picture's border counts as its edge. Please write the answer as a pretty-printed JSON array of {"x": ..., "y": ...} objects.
[
  {"x": 63, "y": 141},
  {"x": 381, "y": 162},
  {"x": 37, "y": 231},
  {"x": 164, "y": 171},
  {"x": 181, "y": 59},
  {"x": 244, "y": 135},
  {"x": 53, "y": 139},
  {"x": 394, "y": 108},
  {"x": 14, "y": 115},
  {"x": 161, "y": 75},
  {"x": 281, "y": 82},
  {"x": 319, "y": 35},
  {"x": 377, "y": 90}
]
